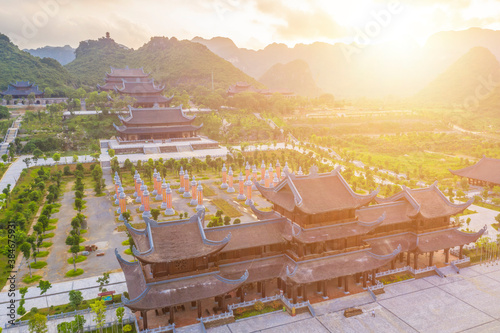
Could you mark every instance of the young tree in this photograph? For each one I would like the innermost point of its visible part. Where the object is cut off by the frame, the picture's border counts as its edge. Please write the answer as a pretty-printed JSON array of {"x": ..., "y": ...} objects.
[
  {"x": 119, "y": 315},
  {"x": 73, "y": 240},
  {"x": 44, "y": 286},
  {"x": 27, "y": 161},
  {"x": 32, "y": 241},
  {"x": 99, "y": 309},
  {"x": 155, "y": 213},
  {"x": 75, "y": 298},
  {"x": 103, "y": 280},
  {"x": 38, "y": 324},
  {"x": 26, "y": 250},
  {"x": 56, "y": 157},
  {"x": 79, "y": 205},
  {"x": 227, "y": 220}
]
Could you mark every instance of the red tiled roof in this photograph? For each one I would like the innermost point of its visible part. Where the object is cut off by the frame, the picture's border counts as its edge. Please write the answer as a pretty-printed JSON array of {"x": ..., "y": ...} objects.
[
  {"x": 487, "y": 169},
  {"x": 315, "y": 193}
]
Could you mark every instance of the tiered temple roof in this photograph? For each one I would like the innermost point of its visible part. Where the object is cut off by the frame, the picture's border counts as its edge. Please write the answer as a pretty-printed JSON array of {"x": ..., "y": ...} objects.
[
  {"x": 22, "y": 89},
  {"x": 486, "y": 170},
  {"x": 160, "y": 294},
  {"x": 315, "y": 193},
  {"x": 176, "y": 240},
  {"x": 427, "y": 202},
  {"x": 242, "y": 87},
  {"x": 156, "y": 122}
]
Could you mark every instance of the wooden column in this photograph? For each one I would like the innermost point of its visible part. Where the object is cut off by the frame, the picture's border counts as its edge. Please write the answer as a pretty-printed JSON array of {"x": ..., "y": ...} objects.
[
  {"x": 288, "y": 291},
  {"x": 393, "y": 263},
  {"x": 447, "y": 256},
  {"x": 324, "y": 286},
  {"x": 263, "y": 289},
  {"x": 318, "y": 287},
  {"x": 198, "y": 305},
  {"x": 374, "y": 282},
  {"x": 171, "y": 310},
  {"x": 278, "y": 283},
  {"x": 365, "y": 279},
  {"x": 144, "y": 315},
  {"x": 408, "y": 258},
  {"x": 339, "y": 282},
  {"x": 431, "y": 257},
  {"x": 401, "y": 256},
  {"x": 304, "y": 293},
  {"x": 357, "y": 276},
  {"x": 259, "y": 287},
  {"x": 346, "y": 284},
  {"x": 461, "y": 252},
  {"x": 294, "y": 294},
  {"x": 415, "y": 258}
]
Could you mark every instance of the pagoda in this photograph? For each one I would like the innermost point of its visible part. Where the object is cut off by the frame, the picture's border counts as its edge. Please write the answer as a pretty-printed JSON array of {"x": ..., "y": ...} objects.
[
  {"x": 486, "y": 172},
  {"x": 21, "y": 89},
  {"x": 137, "y": 84},
  {"x": 157, "y": 123}
]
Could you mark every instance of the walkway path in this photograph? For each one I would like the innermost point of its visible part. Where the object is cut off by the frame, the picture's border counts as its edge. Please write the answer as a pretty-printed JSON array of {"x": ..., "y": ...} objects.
[{"x": 10, "y": 136}]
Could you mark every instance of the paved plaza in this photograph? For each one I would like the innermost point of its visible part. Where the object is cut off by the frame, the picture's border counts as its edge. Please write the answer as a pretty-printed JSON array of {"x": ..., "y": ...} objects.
[{"x": 465, "y": 302}]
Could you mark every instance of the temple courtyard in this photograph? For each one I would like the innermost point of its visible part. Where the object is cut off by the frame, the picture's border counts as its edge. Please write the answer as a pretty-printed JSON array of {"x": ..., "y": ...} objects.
[{"x": 465, "y": 302}]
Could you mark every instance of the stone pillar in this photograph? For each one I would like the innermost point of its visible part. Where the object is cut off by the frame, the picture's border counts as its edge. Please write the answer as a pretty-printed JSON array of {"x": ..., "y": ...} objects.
[
  {"x": 123, "y": 205},
  {"x": 200, "y": 197},
  {"x": 247, "y": 171},
  {"x": 266, "y": 179},
  {"x": 168, "y": 194},
  {"x": 271, "y": 172},
  {"x": 159, "y": 190},
  {"x": 262, "y": 173},
  {"x": 300, "y": 173},
  {"x": 249, "y": 200},
  {"x": 275, "y": 181},
  {"x": 138, "y": 190},
  {"x": 224, "y": 177},
  {"x": 230, "y": 188},
  {"x": 120, "y": 191},
  {"x": 145, "y": 196},
  {"x": 241, "y": 188},
  {"x": 285, "y": 169},
  {"x": 431, "y": 257},
  {"x": 254, "y": 175},
  {"x": 278, "y": 169},
  {"x": 200, "y": 310},
  {"x": 164, "y": 195},
  {"x": 181, "y": 179},
  {"x": 415, "y": 263},
  {"x": 142, "y": 189},
  {"x": 136, "y": 176},
  {"x": 194, "y": 191},
  {"x": 155, "y": 185},
  {"x": 461, "y": 252},
  {"x": 116, "y": 196},
  {"x": 186, "y": 194},
  {"x": 446, "y": 256}
]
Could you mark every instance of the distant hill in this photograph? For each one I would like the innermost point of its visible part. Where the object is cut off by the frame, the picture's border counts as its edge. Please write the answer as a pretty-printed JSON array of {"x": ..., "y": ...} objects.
[
  {"x": 295, "y": 76},
  {"x": 462, "y": 83},
  {"x": 63, "y": 54},
  {"x": 399, "y": 68},
  {"x": 170, "y": 61},
  {"x": 17, "y": 65}
]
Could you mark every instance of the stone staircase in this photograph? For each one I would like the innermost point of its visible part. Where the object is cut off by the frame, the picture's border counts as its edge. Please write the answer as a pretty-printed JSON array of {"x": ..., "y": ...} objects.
[
  {"x": 184, "y": 148},
  {"x": 151, "y": 150}
]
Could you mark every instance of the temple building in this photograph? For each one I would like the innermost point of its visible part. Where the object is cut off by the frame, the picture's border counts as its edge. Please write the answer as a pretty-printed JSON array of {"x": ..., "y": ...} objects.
[
  {"x": 22, "y": 89},
  {"x": 157, "y": 123},
  {"x": 242, "y": 87},
  {"x": 321, "y": 238},
  {"x": 486, "y": 172},
  {"x": 137, "y": 84}
]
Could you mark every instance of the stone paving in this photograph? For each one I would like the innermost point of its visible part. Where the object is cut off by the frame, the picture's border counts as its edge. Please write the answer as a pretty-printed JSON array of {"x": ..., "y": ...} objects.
[{"x": 482, "y": 217}]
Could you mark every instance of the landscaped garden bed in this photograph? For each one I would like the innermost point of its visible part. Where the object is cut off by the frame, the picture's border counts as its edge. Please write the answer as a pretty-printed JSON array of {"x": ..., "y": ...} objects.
[
  {"x": 393, "y": 278},
  {"x": 257, "y": 309}
]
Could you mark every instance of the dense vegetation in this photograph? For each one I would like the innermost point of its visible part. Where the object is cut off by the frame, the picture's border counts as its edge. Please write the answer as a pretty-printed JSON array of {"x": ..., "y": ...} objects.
[{"x": 19, "y": 65}]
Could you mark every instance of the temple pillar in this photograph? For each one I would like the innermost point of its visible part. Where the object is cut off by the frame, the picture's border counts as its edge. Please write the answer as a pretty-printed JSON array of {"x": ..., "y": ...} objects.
[
  {"x": 447, "y": 256},
  {"x": 230, "y": 188},
  {"x": 288, "y": 291},
  {"x": 181, "y": 179},
  {"x": 294, "y": 294},
  {"x": 415, "y": 262},
  {"x": 194, "y": 192},
  {"x": 300, "y": 248},
  {"x": 339, "y": 282},
  {"x": 259, "y": 287},
  {"x": 393, "y": 263},
  {"x": 278, "y": 283},
  {"x": 408, "y": 258},
  {"x": 346, "y": 284},
  {"x": 304, "y": 293},
  {"x": 247, "y": 171},
  {"x": 249, "y": 200},
  {"x": 431, "y": 257},
  {"x": 324, "y": 286},
  {"x": 374, "y": 281},
  {"x": 318, "y": 287},
  {"x": 187, "y": 193},
  {"x": 461, "y": 252},
  {"x": 241, "y": 188},
  {"x": 164, "y": 195},
  {"x": 357, "y": 277},
  {"x": 224, "y": 177},
  {"x": 263, "y": 289},
  {"x": 200, "y": 197},
  {"x": 168, "y": 194},
  {"x": 144, "y": 315},
  {"x": 401, "y": 257},
  {"x": 172, "y": 317},
  {"x": 365, "y": 279}
]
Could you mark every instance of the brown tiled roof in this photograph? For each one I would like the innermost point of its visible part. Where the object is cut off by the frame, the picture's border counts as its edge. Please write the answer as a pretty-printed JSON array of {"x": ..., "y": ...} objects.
[
  {"x": 139, "y": 100},
  {"x": 144, "y": 296},
  {"x": 137, "y": 87},
  {"x": 335, "y": 231},
  {"x": 387, "y": 244},
  {"x": 155, "y": 116},
  {"x": 157, "y": 129},
  {"x": 487, "y": 169},
  {"x": 127, "y": 72},
  {"x": 330, "y": 267},
  {"x": 315, "y": 193},
  {"x": 428, "y": 202},
  {"x": 445, "y": 239},
  {"x": 255, "y": 234},
  {"x": 258, "y": 269},
  {"x": 395, "y": 212},
  {"x": 173, "y": 240}
]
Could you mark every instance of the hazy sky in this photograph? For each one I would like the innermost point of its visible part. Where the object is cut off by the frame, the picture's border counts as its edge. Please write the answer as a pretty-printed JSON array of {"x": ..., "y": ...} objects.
[{"x": 251, "y": 23}]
